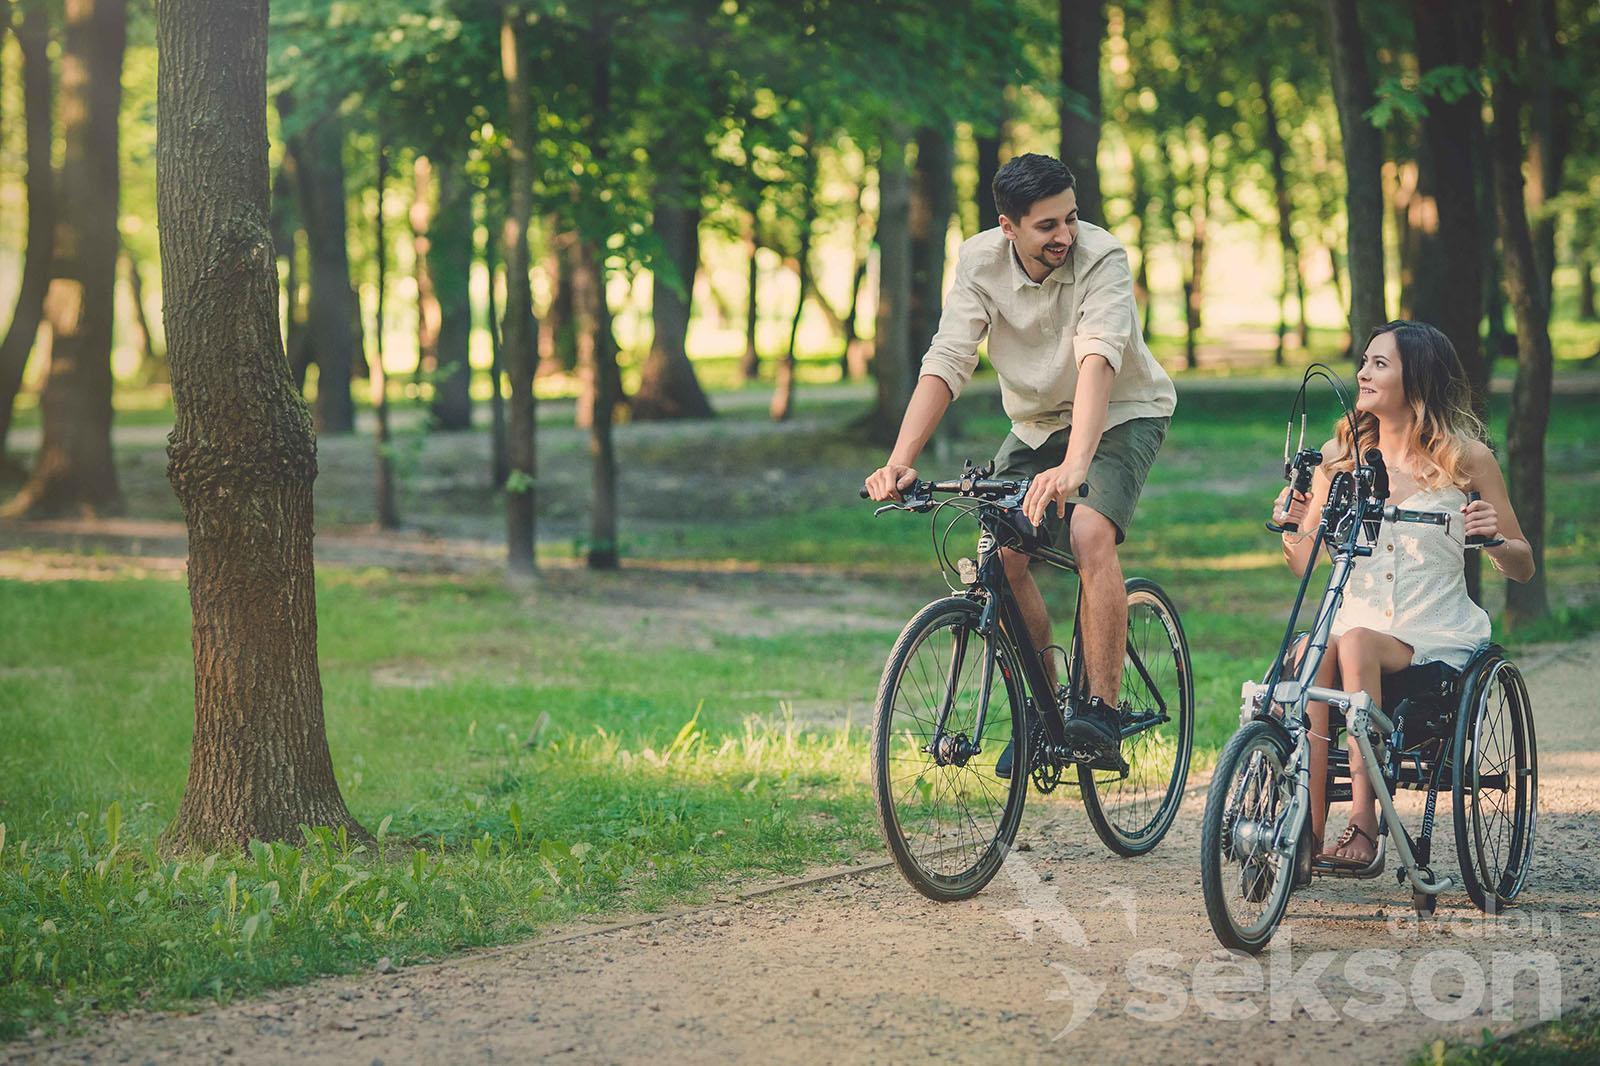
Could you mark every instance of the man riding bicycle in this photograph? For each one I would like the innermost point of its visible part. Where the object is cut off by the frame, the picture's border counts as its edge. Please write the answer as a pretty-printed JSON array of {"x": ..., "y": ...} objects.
[{"x": 1088, "y": 403}]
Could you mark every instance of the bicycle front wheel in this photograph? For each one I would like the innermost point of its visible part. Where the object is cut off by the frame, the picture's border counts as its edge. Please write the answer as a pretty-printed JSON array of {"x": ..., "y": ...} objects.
[
  {"x": 948, "y": 818},
  {"x": 1155, "y": 706},
  {"x": 1245, "y": 879}
]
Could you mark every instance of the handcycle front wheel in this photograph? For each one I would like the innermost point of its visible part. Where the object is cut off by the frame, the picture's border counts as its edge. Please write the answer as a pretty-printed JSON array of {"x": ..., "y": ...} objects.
[
  {"x": 1246, "y": 882},
  {"x": 1133, "y": 813},
  {"x": 946, "y": 816}
]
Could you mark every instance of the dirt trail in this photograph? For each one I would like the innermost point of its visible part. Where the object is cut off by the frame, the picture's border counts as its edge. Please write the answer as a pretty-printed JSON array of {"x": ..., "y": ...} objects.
[{"x": 1071, "y": 952}]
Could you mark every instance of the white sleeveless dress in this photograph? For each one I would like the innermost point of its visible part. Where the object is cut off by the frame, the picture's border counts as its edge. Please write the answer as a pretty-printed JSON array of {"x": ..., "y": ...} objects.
[{"x": 1412, "y": 586}]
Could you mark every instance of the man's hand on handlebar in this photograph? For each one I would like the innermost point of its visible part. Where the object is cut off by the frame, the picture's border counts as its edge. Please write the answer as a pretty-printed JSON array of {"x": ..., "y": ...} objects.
[
  {"x": 889, "y": 481},
  {"x": 1053, "y": 487}
]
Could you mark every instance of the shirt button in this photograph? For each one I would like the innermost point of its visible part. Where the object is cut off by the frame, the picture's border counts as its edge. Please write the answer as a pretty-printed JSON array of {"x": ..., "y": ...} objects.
[{"x": 1388, "y": 611}]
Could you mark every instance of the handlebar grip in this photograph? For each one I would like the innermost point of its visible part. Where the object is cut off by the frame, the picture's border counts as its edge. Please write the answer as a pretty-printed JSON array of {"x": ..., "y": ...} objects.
[
  {"x": 1478, "y": 540},
  {"x": 865, "y": 495}
]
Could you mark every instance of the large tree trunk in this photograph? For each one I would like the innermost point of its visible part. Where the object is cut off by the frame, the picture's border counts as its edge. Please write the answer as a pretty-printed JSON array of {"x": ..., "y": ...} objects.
[
  {"x": 1586, "y": 303},
  {"x": 333, "y": 318},
  {"x": 854, "y": 354},
  {"x": 33, "y": 39},
  {"x": 1082, "y": 28},
  {"x": 450, "y": 264},
  {"x": 989, "y": 145},
  {"x": 558, "y": 340},
  {"x": 242, "y": 458},
  {"x": 668, "y": 387},
  {"x": 1363, "y": 164},
  {"x": 378, "y": 376},
  {"x": 74, "y": 472},
  {"x": 1530, "y": 395},
  {"x": 521, "y": 330},
  {"x": 1549, "y": 137},
  {"x": 1452, "y": 34},
  {"x": 892, "y": 362},
  {"x": 1277, "y": 153}
]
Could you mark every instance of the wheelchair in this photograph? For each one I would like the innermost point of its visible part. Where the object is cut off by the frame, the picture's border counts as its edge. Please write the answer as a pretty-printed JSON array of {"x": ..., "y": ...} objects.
[{"x": 1469, "y": 732}]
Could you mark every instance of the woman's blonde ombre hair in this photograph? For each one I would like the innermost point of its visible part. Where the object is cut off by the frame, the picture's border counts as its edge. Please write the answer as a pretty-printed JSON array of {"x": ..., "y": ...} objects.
[{"x": 1436, "y": 388}]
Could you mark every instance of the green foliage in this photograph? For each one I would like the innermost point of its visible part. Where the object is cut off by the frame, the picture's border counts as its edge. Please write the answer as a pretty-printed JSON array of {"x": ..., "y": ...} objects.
[{"x": 1572, "y": 1040}]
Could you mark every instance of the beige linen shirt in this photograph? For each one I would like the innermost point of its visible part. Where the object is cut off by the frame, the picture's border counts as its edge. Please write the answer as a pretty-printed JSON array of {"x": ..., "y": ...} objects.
[{"x": 1040, "y": 332}]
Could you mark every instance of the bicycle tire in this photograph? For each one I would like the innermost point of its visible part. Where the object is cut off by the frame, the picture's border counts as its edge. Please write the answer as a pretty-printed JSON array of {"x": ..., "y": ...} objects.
[
  {"x": 1217, "y": 842},
  {"x": 1132, "y": 819},
  {"x": 954, "y": 858}
]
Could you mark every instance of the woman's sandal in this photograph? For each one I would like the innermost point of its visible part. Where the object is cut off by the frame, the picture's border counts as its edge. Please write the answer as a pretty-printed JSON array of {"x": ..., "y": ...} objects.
[{"x": 1351, "y": 831}]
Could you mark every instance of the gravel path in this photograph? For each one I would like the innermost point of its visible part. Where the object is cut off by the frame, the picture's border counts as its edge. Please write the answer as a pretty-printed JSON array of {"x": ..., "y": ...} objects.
[{"x": 1071, "y": 952}]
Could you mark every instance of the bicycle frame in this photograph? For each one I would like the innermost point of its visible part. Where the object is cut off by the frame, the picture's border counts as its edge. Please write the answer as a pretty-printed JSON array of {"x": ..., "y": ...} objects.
[{"x": 1000, "y": 605}]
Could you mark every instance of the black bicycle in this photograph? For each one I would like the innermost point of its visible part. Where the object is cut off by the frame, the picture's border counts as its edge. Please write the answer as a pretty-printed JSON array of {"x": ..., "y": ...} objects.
[{"x": 964, "y": 680}]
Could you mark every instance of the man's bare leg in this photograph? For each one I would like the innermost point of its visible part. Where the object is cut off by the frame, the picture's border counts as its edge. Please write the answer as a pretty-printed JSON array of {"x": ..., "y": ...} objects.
[
  {"x": 1103, "y": 618},
  {"x": 1030, "y": 603}
]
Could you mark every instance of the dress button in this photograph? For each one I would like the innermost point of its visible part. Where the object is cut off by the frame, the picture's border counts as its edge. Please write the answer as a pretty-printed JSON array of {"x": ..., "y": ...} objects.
[
  {"x": 1390, "y": 548},
  {"x": 1388, "y": 577},
  {"x": 1388, "y": 611}
]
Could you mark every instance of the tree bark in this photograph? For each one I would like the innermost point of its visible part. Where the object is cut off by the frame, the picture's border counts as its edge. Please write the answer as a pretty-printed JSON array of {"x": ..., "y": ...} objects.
[
  {"x": 450, "y": 240},
  {"x": 1194, "y": 278},
  {"x": 668, "y": 387},
  {"x": 333, "y": 317},
  {"x": 1586, "y": 304},
  {"x": 1083, "y": 28},
  {"x": 988, "y": 166},
  {"x": 892, "y": 361},
  {"x": 1530, "y": 395},
  {"x": 1549, "y": 137},
  {"x": 378, "y": 376},
  {"x": 1451, "y": 34},
  {"x": 1363, "y": 163},
  {"x": 38, "y": 89},
  {"x": 242, "y": 457},
  {"x": 74, "y": 471},
  {"x": 558, "y": 340},
  {"x": 521, "y": 329}
]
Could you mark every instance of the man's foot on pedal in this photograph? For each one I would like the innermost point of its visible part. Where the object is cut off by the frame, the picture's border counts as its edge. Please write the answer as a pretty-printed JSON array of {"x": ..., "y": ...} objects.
[{"x": 1095, "y": 735}]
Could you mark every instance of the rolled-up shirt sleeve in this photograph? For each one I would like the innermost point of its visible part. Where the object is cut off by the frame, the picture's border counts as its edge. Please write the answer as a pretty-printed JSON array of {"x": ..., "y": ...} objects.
[
  {"x": 1105, "y": 314},
  {"x": 953, "y": 354}
]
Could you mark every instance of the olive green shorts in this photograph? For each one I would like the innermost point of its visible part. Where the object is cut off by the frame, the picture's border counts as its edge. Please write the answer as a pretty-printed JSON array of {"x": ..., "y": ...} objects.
[{"x": 1116, "y": 473}]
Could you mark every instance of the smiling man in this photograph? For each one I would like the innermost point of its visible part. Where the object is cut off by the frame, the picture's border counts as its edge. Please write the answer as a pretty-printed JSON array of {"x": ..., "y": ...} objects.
[{"x": 1088, "y": 404}]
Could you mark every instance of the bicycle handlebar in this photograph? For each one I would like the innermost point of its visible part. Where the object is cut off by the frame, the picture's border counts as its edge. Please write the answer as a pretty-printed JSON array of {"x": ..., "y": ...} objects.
[{"x": 971, "y": 487}]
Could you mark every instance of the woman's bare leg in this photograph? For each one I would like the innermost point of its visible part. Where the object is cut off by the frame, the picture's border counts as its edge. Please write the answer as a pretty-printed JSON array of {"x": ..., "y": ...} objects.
[
  {"x": 1364, "y": 657},
  {"x": 1317, "y": 721}
]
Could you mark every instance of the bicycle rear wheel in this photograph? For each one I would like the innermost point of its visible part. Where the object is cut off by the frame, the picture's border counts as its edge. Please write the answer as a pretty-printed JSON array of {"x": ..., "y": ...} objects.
[
  {"x": 1156, "y": 697},
  {"x": 1495, "y": 785},
  {"x": 947, "y": 818}
]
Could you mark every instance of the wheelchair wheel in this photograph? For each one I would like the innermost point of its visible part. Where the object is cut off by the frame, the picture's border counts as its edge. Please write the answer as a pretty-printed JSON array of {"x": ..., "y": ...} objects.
[{"x": 1495, "y": 783}]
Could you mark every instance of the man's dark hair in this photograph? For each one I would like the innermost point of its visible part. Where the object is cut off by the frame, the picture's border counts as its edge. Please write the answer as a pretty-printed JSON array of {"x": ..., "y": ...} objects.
[{"x": 1027, "y": 179}]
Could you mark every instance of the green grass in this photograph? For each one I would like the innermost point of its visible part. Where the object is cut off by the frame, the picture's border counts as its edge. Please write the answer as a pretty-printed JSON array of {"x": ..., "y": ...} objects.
[
  {"x": 527, "y": 758},
  {"x": 1570, "y": 1041}
]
